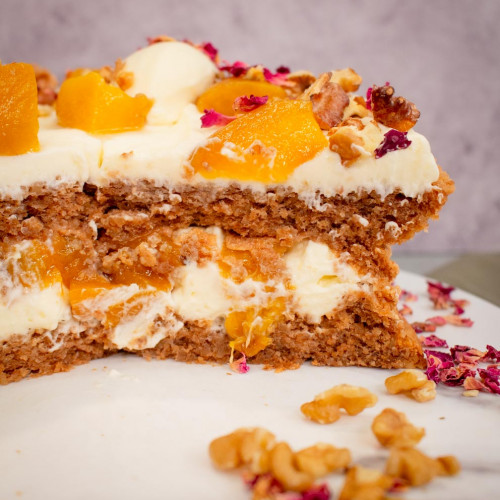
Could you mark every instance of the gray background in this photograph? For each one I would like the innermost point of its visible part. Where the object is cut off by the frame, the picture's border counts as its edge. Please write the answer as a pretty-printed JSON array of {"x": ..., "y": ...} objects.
[{"x": 441, "y": 54}]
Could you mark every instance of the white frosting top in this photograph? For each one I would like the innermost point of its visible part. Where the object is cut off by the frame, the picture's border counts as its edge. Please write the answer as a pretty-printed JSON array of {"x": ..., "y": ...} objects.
[{"x": 174, "y": 74}]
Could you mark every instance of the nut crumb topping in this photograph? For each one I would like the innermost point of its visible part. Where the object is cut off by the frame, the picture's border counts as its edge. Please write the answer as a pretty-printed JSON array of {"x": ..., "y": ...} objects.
[
  {"x": 391, "y": 111},
  {"x": 328, "y": 99},
  {"x": 46, "y": 84},
  {"x": 347, "y": 78}
]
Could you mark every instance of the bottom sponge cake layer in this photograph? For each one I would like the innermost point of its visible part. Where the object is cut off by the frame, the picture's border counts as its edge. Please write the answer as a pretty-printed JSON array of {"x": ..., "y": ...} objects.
[{"x": 200, "y": 294}]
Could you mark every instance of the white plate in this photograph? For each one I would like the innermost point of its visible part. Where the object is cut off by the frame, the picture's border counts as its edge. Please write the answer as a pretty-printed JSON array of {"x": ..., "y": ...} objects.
[{"x": 127, "y": 429}]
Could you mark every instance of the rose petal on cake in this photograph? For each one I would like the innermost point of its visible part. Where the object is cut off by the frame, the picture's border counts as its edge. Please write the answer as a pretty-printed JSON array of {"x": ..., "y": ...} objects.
[
  {"x": 368, "y": 99},
  {"x": 244, "y": 104},
  {"x": 283, "y": 70},
  {"x": 209, "y": 50},
  {"x": 211, "y": 119},
  {"x": 393, "y": 140},
  {"x": 433, "y": 341},
  {"x": 238, "y": 68},
  {"x": 275, "y": 78}
]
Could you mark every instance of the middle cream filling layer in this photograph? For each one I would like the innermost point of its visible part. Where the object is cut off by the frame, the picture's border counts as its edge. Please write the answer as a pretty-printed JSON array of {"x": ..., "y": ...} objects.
[{"x": 316, "y": 282}]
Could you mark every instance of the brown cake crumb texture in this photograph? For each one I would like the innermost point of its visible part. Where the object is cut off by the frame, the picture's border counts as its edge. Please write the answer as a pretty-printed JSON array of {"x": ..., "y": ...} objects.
[{"x": 103, "y": 220}]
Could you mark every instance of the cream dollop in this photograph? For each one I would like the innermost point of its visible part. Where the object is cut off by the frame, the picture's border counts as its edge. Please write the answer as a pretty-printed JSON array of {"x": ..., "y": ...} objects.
[{"x": 174, "y": 74}]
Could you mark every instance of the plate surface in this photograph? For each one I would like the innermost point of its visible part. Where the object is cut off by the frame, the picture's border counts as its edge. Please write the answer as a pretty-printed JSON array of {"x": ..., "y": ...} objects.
[{"x": 125, "y": 428}]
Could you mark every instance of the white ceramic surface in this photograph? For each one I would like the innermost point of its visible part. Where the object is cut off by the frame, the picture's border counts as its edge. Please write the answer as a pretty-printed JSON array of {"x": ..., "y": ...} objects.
[{"x": 127, "y": 429}]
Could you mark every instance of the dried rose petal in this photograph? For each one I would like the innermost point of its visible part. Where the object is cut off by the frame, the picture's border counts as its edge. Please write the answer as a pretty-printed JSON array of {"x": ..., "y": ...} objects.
[
  {"x": 240, "y": 365},
  {"x": 407, "y": 296},
  {"x": 466, "y": 354},
  {"x": 368, "y": 98},
  {"x": 275, "y": 78},
  {"x": 490, "y": 380},
  {"x": 455, "y": 375},
  {"x": 244, "y": 104},
  {"x": 211, "y": 119},
  {"x": 433, "y": 341},
  {"x": 492, "y": 354},
  {"x": 473, "y": 384},
  {"x": 436, "y": 362},
  {"x": 439, "y": 294},
  {"x": 442, "y": 356},
  {"x": 460, "y": 305},
  {"x": 317, "y": 492},
  {"x": 209, "y": 50},
  {"x": 456, "y": 320},
  {"x": 406, "y": 310},
  {"x": 421, "y": 327},
  {"x": 436, "y": 320},
  {"x": 393, "y": 140},
  {"x": 283, "y": 70},
  {"x": 238, "y": 68}
]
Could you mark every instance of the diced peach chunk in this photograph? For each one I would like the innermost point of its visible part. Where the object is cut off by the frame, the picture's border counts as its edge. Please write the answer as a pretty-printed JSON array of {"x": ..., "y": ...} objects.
[
  {"x": 18, "y": 109},
  {"x": 249, "y": 329},
  {"x": 220, "y": 96},
  {"x": 264, "y": 145},
  {"x": 33, "y": 266},
  {"x": 89, "y": 103}
]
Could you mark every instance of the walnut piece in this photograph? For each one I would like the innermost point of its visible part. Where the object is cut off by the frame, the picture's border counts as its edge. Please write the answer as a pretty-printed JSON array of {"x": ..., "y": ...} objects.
[
  {"x": 321, "y": 459},
  {"x": 412, "y": 383},
  {"x": 416, "y": 468},
  {"x": 356, "y": 108},
  {"x": 391, "y": 111},
  {"x": 246, "y": 446},
  {"x": 301, "y": 81},
  {"x": 392, "y": 428},
  {"x": 328, "y": 99},
  {"x": 285, "y": 470},
  {"x": 365, "y": 484},
  {"x": 325, "y": 408},
  {"x": 347, "y": 78},
  {"x": 46, "y": 84},
  {"x": 342, "y": 140}
]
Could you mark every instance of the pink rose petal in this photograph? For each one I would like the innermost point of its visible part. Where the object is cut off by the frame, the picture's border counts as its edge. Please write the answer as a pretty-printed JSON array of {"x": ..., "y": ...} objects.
[
  {"x": 393, "y": 140},
  {"x": 212, "y": 119},
  {"x": 244, "y": 104},
  {"x": 240, "y": 365}
]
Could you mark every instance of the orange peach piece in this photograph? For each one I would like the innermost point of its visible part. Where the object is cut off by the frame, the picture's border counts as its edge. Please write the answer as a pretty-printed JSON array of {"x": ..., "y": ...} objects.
[
  {"x": 89, "y": 103},
  {"x": 18, "y": 109},
  {"x": 264, "y": 145},
  {"x": 220, "y": 96}
]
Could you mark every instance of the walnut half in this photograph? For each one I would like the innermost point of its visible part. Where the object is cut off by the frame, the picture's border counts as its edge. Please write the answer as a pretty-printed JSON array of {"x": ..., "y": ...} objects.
[
  {"x": 328, "y": 99},
  {"x": 391, "y": 111}
]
